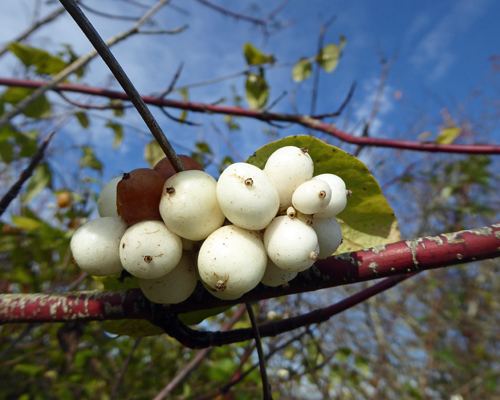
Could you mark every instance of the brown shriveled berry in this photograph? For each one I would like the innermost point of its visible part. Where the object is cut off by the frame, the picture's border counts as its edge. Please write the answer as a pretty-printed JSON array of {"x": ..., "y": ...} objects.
[
  {"x": 165, "y": 168},
  {"x": 64, "y": 199},
  {"x": 138, "y": 195}
]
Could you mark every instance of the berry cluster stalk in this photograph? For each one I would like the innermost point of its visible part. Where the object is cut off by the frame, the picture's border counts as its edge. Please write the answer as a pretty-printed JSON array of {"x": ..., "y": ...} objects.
[{"x": 124, "y": 81}]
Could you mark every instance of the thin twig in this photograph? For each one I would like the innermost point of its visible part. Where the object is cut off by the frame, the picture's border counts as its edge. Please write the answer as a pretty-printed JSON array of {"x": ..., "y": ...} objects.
[
  {"x": 119, "y": 380},
  {"x": 262, "y": 360},
  {"x": 342, "y": 106},
  {"x": 232, "y": 14},
  {"x": 184, "y": 372},
  {"x": 174, "y": 80},
  {"x": 237, "y": 379},
  {"x": 164, "y": 31},
  {"x": 321, "y": 38},
  {"x": 107, "y": 15},
  {"x": 124, "y": 81},
  {"x": 25, "y": 175},
  {"x": 74, "y": 66},
  {"x": 32, "y": 28}
]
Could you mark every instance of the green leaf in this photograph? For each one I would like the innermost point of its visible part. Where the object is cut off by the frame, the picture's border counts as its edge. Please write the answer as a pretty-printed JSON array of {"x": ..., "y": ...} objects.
[
  {"x": 254, "y": 56},
  {"x": 42, "y": 177},
  {"x": 118, "y": 130},
  {"x": 153, "y": 153},
  {"x": 203, "y": 147},
  {"x": 27, "y": 223},
  {"x": 302, "y": 70},
  {"x": 39, "y": 108},
  {"x": 6, "y": 152},
  {"x": 89, "y": 159},
  {"x": 222, "y": 370},
  {"x": 368, "y": 220},
  {"x": 328, "y": 57},
  {"x": 44, "y": 62},
  {"x": 196, "y": 317},
  {"x": 6, "y": 146},
  {"x": 343, "y": 354},
  {"x": 83, "y": 119},
  {"x": 362, "y": 364},
  {"x": 6, "y": 133},
  {"x": 448, "y": 135},
  {"x": 29, "y": 369},
  {"x": 257, "y": 91},
  {"x": 117, "y": 106}
]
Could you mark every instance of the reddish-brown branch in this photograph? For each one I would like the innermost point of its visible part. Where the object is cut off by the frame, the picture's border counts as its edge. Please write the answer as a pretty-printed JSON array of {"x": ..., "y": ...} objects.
[
  {"x": 303, "y": 120},
  {"x": 400, "y": 258}
]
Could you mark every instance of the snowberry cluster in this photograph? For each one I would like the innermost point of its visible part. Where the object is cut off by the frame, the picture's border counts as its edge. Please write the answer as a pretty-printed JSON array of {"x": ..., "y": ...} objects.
[{"x": 250, "y": 226}]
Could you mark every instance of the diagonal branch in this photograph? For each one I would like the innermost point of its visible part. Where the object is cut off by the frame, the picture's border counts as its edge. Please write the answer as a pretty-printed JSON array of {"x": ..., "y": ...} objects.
[
  {"x": 265, "y": 116},
  {"x": 401, "y": 258}
]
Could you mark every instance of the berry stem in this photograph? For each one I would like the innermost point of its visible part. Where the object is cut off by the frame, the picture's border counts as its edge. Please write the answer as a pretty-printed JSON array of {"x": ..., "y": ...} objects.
[{"x": 123, "y": 80}]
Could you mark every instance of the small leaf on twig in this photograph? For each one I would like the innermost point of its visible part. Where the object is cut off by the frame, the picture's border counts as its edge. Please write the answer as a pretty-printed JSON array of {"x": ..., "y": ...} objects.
[
  {"x": 256, "y": 57},
  {"x": 302, "y": 70},
  {"x": 257, "y": 91},
  {"x": 153, "y": 153},
  {"x": 448, "y": 135},
  {"x": 83, "y": 119},
  {"x": 328, "y": 57},
  {"x": 118, "y": 130}
]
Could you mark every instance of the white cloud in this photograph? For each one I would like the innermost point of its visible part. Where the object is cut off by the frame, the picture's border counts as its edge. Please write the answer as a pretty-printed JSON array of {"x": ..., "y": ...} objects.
[{"x": 433, "y": 52}]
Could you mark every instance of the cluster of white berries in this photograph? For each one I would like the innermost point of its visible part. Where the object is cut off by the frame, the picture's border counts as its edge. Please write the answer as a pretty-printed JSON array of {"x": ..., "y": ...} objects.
[{"x": 281, "y": 220}]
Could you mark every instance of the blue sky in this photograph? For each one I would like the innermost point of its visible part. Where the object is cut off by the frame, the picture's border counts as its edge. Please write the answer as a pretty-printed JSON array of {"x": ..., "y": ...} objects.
[{"x": 443, "y": 50}]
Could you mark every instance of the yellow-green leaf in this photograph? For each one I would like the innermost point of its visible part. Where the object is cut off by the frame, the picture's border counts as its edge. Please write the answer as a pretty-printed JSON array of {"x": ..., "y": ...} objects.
[
  {"x": 368, "y": 220},
  {"x": 39, "y": 108},
  {"x": 118, "y": 130},
  {"x": 254, "y": 56},
  {"x": 153, "y": 153},
  {"x": 257, "y": 91},
  {"x": 302, "y": 70},
  {"x": 328, "y": 57},
  {"x": 448, "y": 135},
  {"x": 44, "y": 62},
  {"x": 29, "y": 224},
  {"x": 82, "y": 119},
  {"x": 41, "y": 178}
]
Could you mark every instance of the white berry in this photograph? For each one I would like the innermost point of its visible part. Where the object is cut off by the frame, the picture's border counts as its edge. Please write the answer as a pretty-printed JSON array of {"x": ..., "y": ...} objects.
[
  {"x": 275, "y": 276},
  {"x": 329, "y": 235},
  {"x": 312, "y": 196},
  {"x": 95, "y": 246},
  {"x": 174, "y": 287},
  {"x": 231, "y": 262},
  {"x": 338, "y": 200},
  {"x": 291, "y": 244},
  {"x": 106, "y": 203},
  {"x": 189, "y": 206},
  {"x": 287, "y": 168},
  {"x": 148, "y": 250},
  {"x": 247, "y": 197}
]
